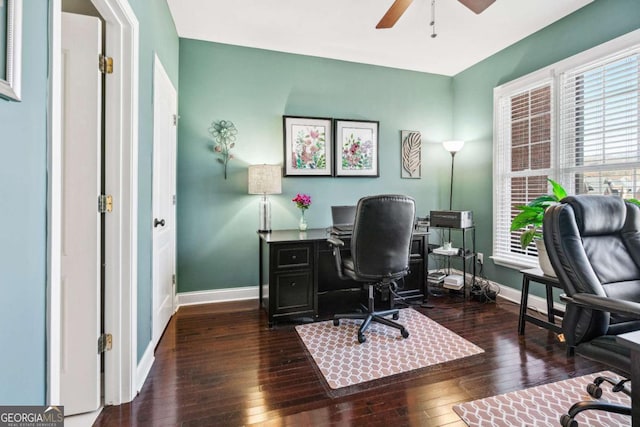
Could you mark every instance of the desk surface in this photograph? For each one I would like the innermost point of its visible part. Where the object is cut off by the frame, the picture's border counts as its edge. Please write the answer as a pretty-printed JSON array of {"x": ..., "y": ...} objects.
[{"x": 282, "y": 236}]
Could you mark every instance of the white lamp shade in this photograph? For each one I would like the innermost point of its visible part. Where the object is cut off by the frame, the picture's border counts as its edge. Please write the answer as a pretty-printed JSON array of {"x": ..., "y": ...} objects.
[
  {"x": 265, "y": 179},
  {"x": 453, "y": 146}
]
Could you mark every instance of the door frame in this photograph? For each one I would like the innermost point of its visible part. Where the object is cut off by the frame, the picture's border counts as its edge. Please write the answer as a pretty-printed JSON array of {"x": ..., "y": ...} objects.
[{"x": 121, "y": 181}]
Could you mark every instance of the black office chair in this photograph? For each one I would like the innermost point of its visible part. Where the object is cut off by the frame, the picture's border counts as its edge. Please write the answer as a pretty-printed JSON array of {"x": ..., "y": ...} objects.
[
  {"x": 593, "y": 242},
  {"x": 380, "y": 250}
]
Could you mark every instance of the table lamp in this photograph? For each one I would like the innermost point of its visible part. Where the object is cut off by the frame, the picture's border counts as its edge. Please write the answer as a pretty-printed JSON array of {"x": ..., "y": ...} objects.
[{"x": 265, "y": 179}]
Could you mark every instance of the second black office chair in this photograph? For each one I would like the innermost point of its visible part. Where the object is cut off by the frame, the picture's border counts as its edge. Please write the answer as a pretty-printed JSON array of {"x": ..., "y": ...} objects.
[
  {"x": 593, "y": 243},
  {"x": 380, "y": 251}
]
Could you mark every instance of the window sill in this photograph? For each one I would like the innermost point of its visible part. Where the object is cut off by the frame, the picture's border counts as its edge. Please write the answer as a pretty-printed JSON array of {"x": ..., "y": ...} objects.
[{"x": 516, "y": 264}]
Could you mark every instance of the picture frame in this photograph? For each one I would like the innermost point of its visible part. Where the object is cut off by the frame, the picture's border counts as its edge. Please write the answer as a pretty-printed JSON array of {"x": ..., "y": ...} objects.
[
  {"x": 10, "y": 49},
  {"x": 411, "y": 154},
  {"x": 356, "y": 148},
  {"x": 308, "y": 146}
]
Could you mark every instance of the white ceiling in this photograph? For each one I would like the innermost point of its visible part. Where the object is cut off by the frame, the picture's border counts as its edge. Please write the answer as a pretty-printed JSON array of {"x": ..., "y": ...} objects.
[{"x": 345, "y": 29}]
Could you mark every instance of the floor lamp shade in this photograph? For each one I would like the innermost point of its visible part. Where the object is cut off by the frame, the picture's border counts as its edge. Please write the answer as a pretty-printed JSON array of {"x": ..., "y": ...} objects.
[{"x": 265, "y": 179}]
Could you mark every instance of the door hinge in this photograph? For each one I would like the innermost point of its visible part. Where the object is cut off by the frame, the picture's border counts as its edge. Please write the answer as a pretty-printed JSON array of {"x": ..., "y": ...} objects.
[
  {"x": 105, "y": 64},
  {"x": 174, "y": 199},
  {"x": 105, "y": 203},
  {"x": 173, "y": 279},
  {"x": 105, "y": 343},
  {"x": 175, "y": 120}
]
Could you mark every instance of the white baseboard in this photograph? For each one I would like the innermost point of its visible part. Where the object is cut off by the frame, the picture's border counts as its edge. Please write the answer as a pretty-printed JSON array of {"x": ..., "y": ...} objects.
[
  {"x": 81, "y": 420},
  {"x": 144, "y": 366},
  {"x": 218, "y": 295},
  {"x": 534, "y": 302}
]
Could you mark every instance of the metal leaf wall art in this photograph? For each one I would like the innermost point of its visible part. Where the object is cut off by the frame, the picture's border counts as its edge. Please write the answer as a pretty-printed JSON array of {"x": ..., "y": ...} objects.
[{"x": 411, "y": 154}]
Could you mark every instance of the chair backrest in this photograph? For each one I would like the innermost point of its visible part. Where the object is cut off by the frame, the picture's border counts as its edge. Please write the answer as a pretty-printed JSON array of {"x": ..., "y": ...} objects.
[
  {"x": 593, "y": 242},
  {"x": 382, "y": 234}
]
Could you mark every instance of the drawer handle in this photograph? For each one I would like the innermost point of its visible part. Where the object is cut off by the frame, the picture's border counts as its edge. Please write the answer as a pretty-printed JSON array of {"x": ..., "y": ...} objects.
[
  {"x": 293, "y": 284},
  {"x": 293, "y": 257}
]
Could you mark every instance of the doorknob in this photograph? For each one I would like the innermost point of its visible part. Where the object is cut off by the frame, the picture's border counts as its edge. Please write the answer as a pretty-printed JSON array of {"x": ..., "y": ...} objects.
[{"x": 157, "y": 222}]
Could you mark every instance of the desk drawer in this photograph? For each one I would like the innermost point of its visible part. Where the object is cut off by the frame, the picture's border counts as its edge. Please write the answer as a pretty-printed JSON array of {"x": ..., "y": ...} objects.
[
  {"x": 289, "y": 256},
  {"x": 294, "y": 291}
]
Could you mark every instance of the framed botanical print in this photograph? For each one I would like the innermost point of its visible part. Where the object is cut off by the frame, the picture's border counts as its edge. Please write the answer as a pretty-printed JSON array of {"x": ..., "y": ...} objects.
[
  {"x": 308, "y": 146},
  {"x": 356, "y": 148}
]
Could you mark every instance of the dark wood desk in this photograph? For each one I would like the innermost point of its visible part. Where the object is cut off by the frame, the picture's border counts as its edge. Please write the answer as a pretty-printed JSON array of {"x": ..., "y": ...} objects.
[
  {"x": 297, "y": 265},
  {"x": 632, "y": 341},
  {"x": 536, "y": 275}
]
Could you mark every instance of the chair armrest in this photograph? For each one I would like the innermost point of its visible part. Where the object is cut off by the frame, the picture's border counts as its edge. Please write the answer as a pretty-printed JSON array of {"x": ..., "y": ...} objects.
[
  {"x": 334, "y": 241},
  {"x": 337, "y": 244},
  {"x": 611, "y": 305}
]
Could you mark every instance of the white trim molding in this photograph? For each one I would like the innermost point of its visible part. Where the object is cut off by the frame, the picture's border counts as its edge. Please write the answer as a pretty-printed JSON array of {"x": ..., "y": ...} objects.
[
  {"x": 144, "y": 367},
  {"x": 217, "y": 295},
  {"x": 121, "y": 181}
]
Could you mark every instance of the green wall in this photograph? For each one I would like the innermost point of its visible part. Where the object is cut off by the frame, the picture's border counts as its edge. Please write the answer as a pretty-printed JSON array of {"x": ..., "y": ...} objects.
[
  {"x": 217, "y": 246},
  {"x": 23, "y": 190},
  {"x": 217, "y": 219},
  {"x": 592, "y": 25}
]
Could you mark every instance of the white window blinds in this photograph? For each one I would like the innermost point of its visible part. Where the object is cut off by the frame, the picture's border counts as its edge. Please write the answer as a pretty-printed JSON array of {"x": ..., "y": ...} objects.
[
  {"x": 599, "y": 112},
  {"x": 524, "y": 162},
  {"x": 577, "y": 122}
]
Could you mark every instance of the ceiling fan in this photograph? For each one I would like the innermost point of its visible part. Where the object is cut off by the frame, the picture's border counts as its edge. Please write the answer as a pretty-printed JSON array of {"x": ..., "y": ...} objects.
[{"x": 399, "y": 6}]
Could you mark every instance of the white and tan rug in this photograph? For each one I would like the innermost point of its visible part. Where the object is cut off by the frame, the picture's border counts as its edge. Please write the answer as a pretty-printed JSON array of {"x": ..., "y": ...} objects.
[
  {"x": 344, "y": 362},
  {"x": 543, "y": 405}
]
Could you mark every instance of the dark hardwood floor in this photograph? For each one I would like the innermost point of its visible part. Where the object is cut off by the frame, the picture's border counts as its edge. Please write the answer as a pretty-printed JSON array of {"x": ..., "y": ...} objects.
[{"x": 220, "y": 365}]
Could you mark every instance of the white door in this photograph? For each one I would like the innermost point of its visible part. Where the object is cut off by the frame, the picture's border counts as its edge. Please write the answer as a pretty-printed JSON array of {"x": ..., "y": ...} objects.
[
  {"x": 80, "y": 234},
  {"x": 165, "y": 106}
]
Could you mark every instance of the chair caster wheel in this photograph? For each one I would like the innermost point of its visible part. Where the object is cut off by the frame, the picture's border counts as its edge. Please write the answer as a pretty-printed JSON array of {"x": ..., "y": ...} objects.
[
  {"x": 361, "y": 338},
  {"x": 396, "y": 316},
  {"x": 567, "y": 421},
  {"x": 594, "y": 391},
  {"x": 336, "y": 322},
  {"x": 404, "y": 333}
]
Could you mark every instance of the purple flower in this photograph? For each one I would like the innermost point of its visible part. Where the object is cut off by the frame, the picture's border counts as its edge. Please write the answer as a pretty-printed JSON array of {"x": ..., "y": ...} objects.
[{"x": 302, "y": 201}]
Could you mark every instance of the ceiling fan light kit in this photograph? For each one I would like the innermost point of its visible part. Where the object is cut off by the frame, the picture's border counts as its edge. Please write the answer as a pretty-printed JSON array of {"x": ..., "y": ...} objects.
[{"x": 400, "y": 6}]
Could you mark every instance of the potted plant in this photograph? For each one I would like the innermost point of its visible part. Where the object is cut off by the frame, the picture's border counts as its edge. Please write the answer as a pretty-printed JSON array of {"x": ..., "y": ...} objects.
[{"x": 530, "y": 218}]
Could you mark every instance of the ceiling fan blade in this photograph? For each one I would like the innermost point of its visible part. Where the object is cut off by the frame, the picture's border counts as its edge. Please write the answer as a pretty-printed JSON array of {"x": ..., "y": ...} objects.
[
  {"x": 477, "y": 6},
  {"x": 394, "y": 13}
]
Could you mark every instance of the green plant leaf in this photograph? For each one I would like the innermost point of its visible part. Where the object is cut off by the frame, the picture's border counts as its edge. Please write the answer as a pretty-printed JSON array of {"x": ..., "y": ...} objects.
[
  {"x": 521, "y": 220},
  {"x": 558, "y": 191},
  {"x": 634, "y": 201},
  {"x": 526, "y": 238},
  {"x": 543, "y": 201}
]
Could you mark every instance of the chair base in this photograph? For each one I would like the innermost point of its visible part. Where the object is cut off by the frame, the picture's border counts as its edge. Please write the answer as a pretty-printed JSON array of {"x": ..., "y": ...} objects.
[
  {"x": 368, "y": 317},
  {"x": 594, "y": 390}
]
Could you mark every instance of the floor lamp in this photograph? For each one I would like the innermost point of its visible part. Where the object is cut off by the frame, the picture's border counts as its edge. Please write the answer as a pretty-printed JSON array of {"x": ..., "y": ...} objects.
[
  {"x": 265, "y": 179},
  {"x": 452, "y": 147}
]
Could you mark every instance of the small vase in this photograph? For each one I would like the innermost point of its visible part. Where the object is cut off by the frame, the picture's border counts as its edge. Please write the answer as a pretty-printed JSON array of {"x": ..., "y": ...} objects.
[{"x": 302, "y": 225}]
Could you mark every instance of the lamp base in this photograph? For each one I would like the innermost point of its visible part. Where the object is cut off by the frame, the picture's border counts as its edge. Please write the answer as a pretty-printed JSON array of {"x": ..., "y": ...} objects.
[{"x": 264, "y": 214}]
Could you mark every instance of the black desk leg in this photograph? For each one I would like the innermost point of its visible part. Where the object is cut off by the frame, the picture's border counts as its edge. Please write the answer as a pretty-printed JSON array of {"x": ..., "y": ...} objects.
[
  {"x": 524, "y": 300},
  {"x": 260, "y": 267},
  {"x": 550, "y": 312}
]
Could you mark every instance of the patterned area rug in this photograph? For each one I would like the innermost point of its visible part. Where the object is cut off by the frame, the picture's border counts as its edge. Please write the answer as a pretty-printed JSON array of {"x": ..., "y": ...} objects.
[
  {"x": 344, "y": 362},
  {"x": 543, "y": 405}
]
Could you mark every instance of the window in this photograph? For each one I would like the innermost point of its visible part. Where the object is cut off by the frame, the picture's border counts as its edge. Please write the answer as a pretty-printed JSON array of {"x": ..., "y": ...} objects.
[{"x": 577, "y": 122}]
